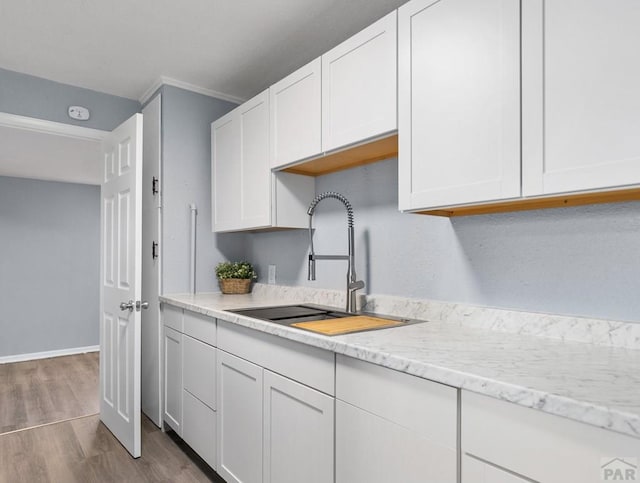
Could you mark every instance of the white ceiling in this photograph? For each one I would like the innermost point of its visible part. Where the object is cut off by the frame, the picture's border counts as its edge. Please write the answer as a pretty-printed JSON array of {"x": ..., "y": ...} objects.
[{"x": 235, "y": 47}]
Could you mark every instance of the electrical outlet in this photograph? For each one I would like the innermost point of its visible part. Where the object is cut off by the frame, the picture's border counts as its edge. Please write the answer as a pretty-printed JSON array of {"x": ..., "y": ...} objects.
[{"x": 272, "y": 275}]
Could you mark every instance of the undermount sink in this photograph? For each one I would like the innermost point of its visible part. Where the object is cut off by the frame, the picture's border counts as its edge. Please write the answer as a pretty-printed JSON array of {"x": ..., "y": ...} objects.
[{"x": 292, "y": 315}]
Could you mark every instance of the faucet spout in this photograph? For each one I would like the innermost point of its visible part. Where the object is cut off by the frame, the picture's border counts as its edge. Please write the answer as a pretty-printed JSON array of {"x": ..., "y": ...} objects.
[{"x": 353, "y": 284}]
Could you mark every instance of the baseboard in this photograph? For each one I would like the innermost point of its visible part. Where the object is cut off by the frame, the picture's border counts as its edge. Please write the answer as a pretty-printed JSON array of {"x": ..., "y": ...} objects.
[{"x": 45, "y": 355}]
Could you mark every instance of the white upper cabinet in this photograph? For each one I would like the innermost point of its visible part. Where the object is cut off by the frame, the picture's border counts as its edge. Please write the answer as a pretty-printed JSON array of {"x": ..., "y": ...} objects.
[
  {"x": 246, "y": 194},
  {"x": 359, "y": 86},
  {"x": 255, "y": 172},
  {"x": 581, "y": 101},
  {"x": 225, "y": 152},
  {"x": 241, "y": 172},
  {"x": 459, "y": 102},
  {"x": 295, "y": 116}
]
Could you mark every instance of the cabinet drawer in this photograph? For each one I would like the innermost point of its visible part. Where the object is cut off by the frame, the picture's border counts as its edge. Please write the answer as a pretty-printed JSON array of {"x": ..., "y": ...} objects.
[
  {"x": 201, "y": 327},
  {"x": 427, "y": 408},
  {"x": 308, "y": 365},
  {"x": 199, "y": 370},
  {"x": 540, "y": 446},
  {"x": 172, "y": 317},
  {"x": 199, "y": 428}
]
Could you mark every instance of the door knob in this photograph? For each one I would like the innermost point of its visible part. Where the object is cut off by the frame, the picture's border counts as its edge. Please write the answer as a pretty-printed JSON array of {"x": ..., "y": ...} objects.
[
  {"x": 142, "y": 305},
  {"x": 127, "y": 305}
]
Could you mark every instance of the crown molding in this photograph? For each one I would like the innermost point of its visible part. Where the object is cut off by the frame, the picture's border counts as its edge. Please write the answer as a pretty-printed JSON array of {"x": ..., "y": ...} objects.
[
  {"x": 163, "y": 80},
  {"x": 51, "y": 127}
]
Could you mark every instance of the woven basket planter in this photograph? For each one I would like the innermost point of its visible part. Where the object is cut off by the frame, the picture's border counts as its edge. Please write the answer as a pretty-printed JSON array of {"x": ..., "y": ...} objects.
[{"x": 235, "y": 285}]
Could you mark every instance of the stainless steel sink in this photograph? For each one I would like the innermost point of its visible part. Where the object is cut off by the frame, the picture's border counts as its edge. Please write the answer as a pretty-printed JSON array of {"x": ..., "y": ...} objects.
[{"x": 291, "y": 314}]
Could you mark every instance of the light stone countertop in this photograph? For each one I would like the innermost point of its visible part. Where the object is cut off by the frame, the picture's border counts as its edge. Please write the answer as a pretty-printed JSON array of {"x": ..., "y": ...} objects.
[{"x": 593, "y": 384}]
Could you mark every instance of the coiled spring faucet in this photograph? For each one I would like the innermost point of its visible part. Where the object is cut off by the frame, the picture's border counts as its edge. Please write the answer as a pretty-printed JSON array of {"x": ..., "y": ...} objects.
[{"x": 353, "y": 283}]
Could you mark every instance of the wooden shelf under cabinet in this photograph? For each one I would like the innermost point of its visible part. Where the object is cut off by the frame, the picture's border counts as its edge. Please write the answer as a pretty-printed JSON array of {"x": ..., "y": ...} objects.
[
  {"x": 560, "y": 201},
  {"x": 351, "y": 157}
]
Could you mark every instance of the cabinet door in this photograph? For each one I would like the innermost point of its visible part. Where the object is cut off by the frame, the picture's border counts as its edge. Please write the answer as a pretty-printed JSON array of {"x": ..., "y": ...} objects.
[
  {"x": 200, "y": 370},
  {"x": 173, "y": 379},
  {"x": 459, "y": 102},
  {"x": 370, "y": 449},
  {"x": 359, "y": 86},
  {"x": 225, "y": 172},
  {"x": 580, "y": 98},
  {"x": 199, "y": 428},
  {"x": 295, "y": 106},
  {"x": 255, "y": 172},
  {"x": 239, "y": 419},
  {"x": 477, "y": 471},
  {"x": 298, "y": 432}
]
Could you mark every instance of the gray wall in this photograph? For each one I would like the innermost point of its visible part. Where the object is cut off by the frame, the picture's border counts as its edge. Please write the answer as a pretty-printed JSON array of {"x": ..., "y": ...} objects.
[
  {"x": 186, "y": 178},
  {"x": 31, "y": 96},
  {"x": 49, "y": 267},
  {"x": 575, "y": 261}
]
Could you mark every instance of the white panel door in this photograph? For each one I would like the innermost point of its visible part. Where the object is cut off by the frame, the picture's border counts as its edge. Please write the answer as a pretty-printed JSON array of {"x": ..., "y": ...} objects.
[
  {"x": 151, "y": 374},
  {"x": 580, "y": 98},
  {"x": 255, "y": 171},
  {"x": 359, "y": 86},
  {"x": 295, "y": 105},
  {"x": 225, "y": 171},
  {"x": 121, "y": 244},
  {"x": 459, "y": 102},
  {"x": 239, "y": 419},
  {"x": 298, "y": 432}
]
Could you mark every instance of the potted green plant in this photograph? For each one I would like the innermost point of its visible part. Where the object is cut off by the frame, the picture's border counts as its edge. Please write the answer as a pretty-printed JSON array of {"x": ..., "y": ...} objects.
[{"x": 235, "y": 277}]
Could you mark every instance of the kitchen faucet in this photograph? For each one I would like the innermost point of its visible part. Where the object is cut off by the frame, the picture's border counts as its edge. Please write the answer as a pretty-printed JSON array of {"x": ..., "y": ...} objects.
[{"x": 353, "y": 283}]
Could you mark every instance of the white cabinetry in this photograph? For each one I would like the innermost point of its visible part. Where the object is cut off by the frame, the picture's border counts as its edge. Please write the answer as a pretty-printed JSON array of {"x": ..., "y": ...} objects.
[
  {"x": 241, "y": 173},
  {"x": 298, "y": 432},
  {"x": 173, "y": 378},
  {"x": 359, "y": 86},
  {"x": 295, "y": 116},
  {"x": 466, "y": 67},
  {"x": 533, "y": 445},
  {"x": 239, "y": 419},
  {"x": 459, "y": 102},
  {"x": 190, "y": 379},
  {"x": 245, "y": 194},
  {"x": 275, "y": 423},
  {"x": 392, "y": 426},
  {"x": 581, "y": 103}
]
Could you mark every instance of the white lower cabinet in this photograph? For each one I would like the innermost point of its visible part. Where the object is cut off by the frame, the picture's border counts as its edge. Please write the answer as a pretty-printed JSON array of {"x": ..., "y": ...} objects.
[
  {"x": 190, "y": 379},
  {"x": 173, "y": 379},
  {"x": 298, "y": 432},
  {"x": 391, "y": 426},
  {"x": 505, "y": 442},
  {"x": 199, "y": 428},
  {"x": 275, "y": 413},
  {"x": 372, "y": 449},
  {"x": 239, "y": 419}
]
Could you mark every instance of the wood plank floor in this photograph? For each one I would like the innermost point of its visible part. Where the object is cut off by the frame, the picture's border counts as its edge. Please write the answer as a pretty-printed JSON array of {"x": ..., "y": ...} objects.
[
  {"x": 48, "y": 390},
  {"x": 83, "y": 450},
  {"x": 50, "y": 431}
]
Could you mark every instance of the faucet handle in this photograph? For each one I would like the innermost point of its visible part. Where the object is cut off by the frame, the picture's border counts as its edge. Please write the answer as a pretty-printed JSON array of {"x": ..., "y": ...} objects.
[{"x": 356, "y": 285}]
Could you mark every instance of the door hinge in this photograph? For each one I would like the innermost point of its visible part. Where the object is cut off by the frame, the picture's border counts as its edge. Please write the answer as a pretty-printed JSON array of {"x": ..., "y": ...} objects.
[
  {"x": 154, "y": 185},
  {"x": 154, "y": 250}
]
